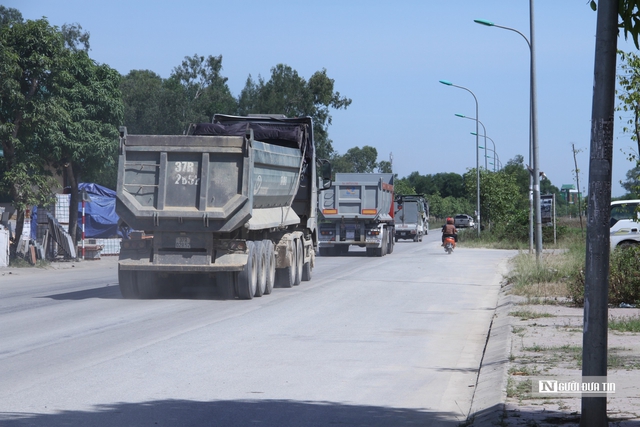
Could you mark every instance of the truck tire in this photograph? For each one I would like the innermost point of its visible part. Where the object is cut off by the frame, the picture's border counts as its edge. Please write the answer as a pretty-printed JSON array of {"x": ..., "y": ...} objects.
[
  {"x": 127, "y": 284},
  {"x": 286, "y": 277},
  {"x": 261, "y": 257},
  {"x": 299, "y": 261},
  {"x": 306, "y": 268},
  {"x": 270, "y": 266},
  {"x": 248, "y": 277},
  {"x": 390, "y": 245},
  {"x": 147, "y": 283}
]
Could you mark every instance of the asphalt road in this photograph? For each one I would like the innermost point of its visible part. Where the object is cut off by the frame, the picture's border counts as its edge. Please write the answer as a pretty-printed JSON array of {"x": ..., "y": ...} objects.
[{"x": 392, "y": 341}]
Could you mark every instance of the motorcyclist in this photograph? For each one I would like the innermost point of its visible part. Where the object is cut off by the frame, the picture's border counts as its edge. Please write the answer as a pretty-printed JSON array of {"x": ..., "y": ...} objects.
[{"x": 449, "y": 230}]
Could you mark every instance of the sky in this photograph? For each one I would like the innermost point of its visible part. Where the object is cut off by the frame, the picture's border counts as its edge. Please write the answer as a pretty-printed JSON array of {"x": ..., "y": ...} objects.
[{"x": 388, "y": 57}]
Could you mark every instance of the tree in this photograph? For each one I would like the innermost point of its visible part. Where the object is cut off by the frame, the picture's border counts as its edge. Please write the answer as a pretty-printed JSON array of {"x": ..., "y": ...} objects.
[
  {"x": 201, "y": 89},
  {"x": 632, "y": 183},
  {"x": 628, "y": 95},
  {"x": 58, "y": 108},
  {"x": 9, "y": 16},
  {"x": 32, "y": 54},
  {"x": 402, "y": 186},
  {"x": 84, "y": 141},
  {"x": 288, "y": 93},
  {"x": 150, "y": 105},
  {"x": 364, "y": 160},
  {"x": 384, "y": 166},
  {"x": 499, "y": 194}
]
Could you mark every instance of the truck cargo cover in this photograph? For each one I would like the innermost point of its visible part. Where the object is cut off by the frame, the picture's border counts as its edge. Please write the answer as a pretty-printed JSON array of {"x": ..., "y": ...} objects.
[{"x": 285, "y": 132}]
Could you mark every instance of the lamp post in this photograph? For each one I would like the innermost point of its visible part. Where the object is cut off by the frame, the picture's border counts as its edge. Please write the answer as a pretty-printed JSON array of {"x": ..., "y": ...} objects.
[
  {"x": 533, "y": 129},
  {"x": 496, "y": 162},
  {"x": 485, "y": 133},
  {"x": 485, "y": 144},
  {"x": 448, "y": 83}
]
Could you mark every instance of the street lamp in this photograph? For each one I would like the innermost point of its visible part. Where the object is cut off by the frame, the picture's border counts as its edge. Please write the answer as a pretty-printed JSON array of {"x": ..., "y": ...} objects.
[
  {"x": 533, "y": 129},
  {"x": 485, "y": 144},
  {"x": 448, "y": 83},
  {"x": 485, "y": 132}
]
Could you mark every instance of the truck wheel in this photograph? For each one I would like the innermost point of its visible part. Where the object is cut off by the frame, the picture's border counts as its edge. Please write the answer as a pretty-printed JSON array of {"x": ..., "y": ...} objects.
[
  {"x": 126, "y": 281},
  {"x": 396, "y": 238},
  {"x": 299, "y": 261},
  {"x": 261, "y": 267},
  {"x": 286, "y": 277},
  {"x": 148, "y": 288},
  {"x": 390, "y": 245},
  {"x": 248, "y": 277},
  {"x": 270, "y": 266},
  {"x": 306, "y": 268}
]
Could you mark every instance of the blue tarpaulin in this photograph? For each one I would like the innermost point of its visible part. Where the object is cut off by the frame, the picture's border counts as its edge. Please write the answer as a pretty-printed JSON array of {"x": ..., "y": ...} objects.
[{"x": 101, "y": 221}]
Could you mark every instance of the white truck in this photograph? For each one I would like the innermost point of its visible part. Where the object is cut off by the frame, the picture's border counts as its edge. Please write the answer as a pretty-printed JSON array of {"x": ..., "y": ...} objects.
[
  {"x": 411, "y": 217},
  {"x": 625, "y": 225},
  {"x": 357, "y": 210}
]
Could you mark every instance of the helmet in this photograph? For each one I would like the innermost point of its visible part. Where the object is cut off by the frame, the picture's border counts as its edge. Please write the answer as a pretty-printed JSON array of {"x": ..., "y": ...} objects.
[{"x": 449, "y": 220}]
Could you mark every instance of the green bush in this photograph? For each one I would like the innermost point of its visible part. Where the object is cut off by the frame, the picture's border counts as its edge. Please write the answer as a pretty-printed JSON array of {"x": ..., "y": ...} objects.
[{"x": 624, "y": 278}]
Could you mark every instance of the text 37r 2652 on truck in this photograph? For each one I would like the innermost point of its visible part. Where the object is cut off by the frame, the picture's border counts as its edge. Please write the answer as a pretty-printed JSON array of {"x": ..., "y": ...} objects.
[{"x": 233, "y": 201}]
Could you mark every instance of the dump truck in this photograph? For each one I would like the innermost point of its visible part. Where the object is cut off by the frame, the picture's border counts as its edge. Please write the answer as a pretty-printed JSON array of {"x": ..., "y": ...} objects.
[
  {"x": 233, "y": 201},
  {"x": 357, "y": 210},
  {"x": 411, "y": 217}
]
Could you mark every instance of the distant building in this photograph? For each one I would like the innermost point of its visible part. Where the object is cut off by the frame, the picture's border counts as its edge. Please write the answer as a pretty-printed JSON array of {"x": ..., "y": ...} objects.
[{"x": 570, "y": 194}]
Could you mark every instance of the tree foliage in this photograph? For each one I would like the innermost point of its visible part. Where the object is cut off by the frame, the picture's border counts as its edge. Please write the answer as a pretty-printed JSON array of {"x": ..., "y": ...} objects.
[
  {"x": 31, "y": 54},
  {"x": 286, "y": 92},
  {"x": 148, "y": 104},
  {"x": 57, "y": 108},
  {"x": 201, "y": 90},
  {"x": 500, "y": 197},
  {"x": 632, "y": 182},
  {"x": 629, "y": 13},
  {"x": 448, "y": 184},
  {"x": 402, "y": 187},
  {"x": 628, "y": 95}
]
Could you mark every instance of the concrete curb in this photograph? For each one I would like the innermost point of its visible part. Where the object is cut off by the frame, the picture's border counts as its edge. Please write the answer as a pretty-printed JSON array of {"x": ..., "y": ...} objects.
[{"x": 487, "y": 407}]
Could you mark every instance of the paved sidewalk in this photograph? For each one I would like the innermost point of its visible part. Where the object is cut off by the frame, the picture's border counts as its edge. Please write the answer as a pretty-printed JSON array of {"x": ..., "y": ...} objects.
[{"x": 528, "y": 341}]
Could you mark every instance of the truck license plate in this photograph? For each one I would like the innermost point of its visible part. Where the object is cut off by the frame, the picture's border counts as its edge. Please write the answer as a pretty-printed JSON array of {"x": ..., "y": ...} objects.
[
  {"x": 351, "y": 235},
  {"x": 183, "y": 242}
]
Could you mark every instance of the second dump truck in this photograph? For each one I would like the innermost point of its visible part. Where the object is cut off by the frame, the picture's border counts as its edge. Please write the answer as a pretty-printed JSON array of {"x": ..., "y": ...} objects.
[
  {"x": 412, "y": 217},
  {"x": 232, "y": 203},
  {"x": 357, "y": 210}
]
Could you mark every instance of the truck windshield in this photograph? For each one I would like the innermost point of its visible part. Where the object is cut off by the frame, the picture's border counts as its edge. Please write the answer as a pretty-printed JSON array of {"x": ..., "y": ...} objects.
[{"x": 623, "y": 211}]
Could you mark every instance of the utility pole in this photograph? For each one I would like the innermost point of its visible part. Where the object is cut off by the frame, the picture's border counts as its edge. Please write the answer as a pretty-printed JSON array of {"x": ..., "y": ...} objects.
[{"x": 596, "y": 284}]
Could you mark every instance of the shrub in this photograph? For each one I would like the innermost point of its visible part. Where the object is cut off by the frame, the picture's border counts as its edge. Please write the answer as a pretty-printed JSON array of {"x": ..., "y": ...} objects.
[{"x": 624, "y": 278}]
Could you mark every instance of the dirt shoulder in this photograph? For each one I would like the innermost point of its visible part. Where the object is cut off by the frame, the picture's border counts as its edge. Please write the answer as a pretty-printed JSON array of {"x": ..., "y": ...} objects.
[{"x": 546, "y": 341}]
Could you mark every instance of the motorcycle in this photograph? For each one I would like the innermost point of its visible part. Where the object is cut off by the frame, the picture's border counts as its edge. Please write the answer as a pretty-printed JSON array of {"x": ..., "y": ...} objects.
[{"x": 449, "y": 244}]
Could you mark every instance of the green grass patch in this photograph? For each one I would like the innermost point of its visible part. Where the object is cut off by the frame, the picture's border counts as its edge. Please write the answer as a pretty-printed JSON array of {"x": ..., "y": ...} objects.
[
  {"x": 528, "y": 314},
  {"x": 519, "y": 389},
  {"x": 23, "y": 263},
  {"x": 625, "y": 324}
]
